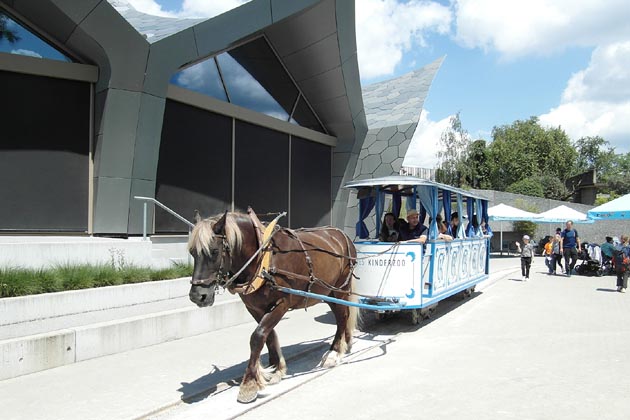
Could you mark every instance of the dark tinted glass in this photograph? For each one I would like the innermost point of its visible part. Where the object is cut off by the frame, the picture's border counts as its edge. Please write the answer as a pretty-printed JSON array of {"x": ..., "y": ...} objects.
[
  {"x": 43, "y": 153},
  {"x": 17, "y": 39},
  {"x": 305, "y": 117},
  {"x": 262, "y": 169},
  {"x": 203, "y": 77},
  {"x": 195, "y": 165},
  {"x": 311, "y": 196}
]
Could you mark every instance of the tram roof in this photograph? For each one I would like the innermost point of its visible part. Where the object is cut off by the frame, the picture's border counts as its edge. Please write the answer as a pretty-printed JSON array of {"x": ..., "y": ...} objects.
[{"x": 404, "y": 185}]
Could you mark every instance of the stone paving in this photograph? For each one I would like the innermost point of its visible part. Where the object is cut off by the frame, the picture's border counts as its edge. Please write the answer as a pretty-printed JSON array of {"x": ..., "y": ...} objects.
[{"x": 550, "y": 348}]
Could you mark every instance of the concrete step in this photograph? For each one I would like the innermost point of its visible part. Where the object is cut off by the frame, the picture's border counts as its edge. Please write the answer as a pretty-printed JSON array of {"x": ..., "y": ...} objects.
[
  {"x": 48, "y": 251},
  {"x": 45, "y": 331}
]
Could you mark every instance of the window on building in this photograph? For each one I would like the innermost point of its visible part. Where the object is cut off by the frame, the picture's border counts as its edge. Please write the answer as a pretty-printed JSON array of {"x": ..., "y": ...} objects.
[
  {"x": 250, "y": 76},
  {"x": 203, "y": 78},
  {"x": 17, "y": 39}
]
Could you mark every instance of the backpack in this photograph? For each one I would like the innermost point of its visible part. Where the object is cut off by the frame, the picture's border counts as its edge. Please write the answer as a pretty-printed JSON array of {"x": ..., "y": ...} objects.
[{"x": 621, "y": 260}]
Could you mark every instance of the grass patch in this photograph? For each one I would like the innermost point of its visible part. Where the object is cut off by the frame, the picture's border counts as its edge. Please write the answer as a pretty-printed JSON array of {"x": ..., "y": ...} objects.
[{"x": 22, "y": 282}]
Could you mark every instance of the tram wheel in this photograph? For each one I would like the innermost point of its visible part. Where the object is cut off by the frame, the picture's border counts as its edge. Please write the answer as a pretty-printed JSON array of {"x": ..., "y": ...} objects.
[{"x": 415, "y": 316}]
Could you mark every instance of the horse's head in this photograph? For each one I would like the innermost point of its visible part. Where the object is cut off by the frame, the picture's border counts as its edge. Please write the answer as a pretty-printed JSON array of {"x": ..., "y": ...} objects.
[{"x": 212, "y": 242}]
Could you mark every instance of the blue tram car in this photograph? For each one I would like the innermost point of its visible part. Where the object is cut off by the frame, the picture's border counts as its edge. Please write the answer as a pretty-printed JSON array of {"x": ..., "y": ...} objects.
[{"x": 409, "y": 275}]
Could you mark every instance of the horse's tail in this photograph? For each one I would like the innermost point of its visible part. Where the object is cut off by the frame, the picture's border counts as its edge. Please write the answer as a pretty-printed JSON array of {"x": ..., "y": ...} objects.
[{"x": 354, "y": 317}]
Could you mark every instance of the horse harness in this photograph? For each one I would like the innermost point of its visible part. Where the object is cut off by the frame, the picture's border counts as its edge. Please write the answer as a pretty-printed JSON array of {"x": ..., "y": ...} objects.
[{"x": 265, "y": 270}]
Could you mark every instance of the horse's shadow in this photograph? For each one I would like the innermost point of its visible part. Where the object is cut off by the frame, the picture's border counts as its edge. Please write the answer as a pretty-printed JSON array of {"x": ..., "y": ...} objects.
[{"x": 219, "y": 379}]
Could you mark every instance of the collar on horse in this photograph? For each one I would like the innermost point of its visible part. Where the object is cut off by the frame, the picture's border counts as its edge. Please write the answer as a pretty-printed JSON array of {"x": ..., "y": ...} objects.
[{"x": 263, "y": 236}]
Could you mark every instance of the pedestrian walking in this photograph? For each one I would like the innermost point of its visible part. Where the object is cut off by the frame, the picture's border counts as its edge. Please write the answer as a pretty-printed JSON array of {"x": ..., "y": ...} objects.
[
  {"x": 622, "y": 262},
  {"x": 556, "y": 250},
  {"x": 527, "y": 253},
  {"x": 550, "y": 259},
  {"x": 570, "y": 243}
]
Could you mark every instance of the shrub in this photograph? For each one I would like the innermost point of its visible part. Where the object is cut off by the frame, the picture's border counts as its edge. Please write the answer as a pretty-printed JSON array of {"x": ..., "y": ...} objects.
[{"x": 21, "y": 282}]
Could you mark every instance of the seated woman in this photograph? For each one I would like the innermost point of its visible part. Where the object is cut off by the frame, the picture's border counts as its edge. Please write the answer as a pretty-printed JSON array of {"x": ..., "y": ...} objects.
[
  {"x": 442, "y": 229},
  {"x": 389, "y": 229}
]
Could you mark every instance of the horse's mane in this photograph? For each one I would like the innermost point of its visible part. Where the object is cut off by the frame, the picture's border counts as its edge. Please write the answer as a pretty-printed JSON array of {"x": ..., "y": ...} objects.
[{"x": 202, "y": 234}]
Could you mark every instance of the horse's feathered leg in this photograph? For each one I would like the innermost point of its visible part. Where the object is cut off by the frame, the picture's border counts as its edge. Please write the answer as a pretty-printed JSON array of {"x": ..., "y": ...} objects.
[
  {"x": 254, "y": 378},
  {"x": 339, "y": 346},
  {"x": 276, "y": 360}
]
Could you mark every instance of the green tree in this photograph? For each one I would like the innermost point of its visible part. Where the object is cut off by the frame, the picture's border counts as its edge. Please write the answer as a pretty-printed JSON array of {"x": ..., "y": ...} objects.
[
  {"x": 553, "y": 188},
  {"x": 477, "y": 165},
  {"x": 525, "y": 149},
  {"x": 595, "y": 153},
  {"x": 525, "y": 228},
  {"x": 452, "y": 155},
  {"x": 5, "y": 32},
  {"x": 527, "y": 186}
]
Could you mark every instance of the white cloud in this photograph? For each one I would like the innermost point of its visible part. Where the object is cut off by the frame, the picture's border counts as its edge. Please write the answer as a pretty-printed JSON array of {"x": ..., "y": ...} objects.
[
  {"x": 422, "y": 151},
  {"x": 521, "y": 27},
  {"x": 189, "y": 8},
  {"x": 386, "y": 29},
  {"x": 596, "y": 100},
  {"x": 205, "y": 8},
  {"x": 26, "y": 52}
]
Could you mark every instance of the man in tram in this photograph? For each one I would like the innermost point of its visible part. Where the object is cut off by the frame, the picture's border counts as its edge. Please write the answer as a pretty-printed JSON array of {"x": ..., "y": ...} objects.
[{"x": 413, "y": 230}]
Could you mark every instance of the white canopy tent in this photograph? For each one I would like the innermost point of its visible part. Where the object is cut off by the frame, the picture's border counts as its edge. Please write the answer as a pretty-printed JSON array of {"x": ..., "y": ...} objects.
[
  {"x": 617, "y": 209},
  {"x": 504, "y": 213},
  {"x": 562, "y": 214}
]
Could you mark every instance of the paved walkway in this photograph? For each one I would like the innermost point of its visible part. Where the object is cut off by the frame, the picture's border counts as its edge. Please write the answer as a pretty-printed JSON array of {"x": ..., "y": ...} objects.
[{"x": 551, "y": 348}]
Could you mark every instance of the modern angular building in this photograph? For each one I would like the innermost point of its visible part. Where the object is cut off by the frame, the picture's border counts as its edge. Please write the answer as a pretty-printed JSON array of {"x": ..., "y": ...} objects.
[{"x": 259, "y": 106}]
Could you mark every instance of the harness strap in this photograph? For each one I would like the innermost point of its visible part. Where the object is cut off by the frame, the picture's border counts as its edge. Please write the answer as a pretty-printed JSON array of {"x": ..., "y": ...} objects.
[{"x": 258, "y": 280}]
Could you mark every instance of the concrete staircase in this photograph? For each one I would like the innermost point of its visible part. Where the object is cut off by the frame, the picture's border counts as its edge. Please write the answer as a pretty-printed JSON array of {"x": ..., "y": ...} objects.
[
  {"x": 45, "y": 331},
  {"x": 158, "y": 251}
]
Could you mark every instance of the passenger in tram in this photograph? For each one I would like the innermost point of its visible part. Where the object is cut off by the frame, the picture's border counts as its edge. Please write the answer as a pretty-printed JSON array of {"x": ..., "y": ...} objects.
[
  {"x": 454, "y": 224},
  {"x": 389, "y": 229},
  {"x": 413, "y": 230},
  {"x": 442, "y": 229}
]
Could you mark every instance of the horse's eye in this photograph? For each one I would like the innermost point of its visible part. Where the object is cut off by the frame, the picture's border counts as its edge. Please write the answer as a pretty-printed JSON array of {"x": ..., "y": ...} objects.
[{"x": 214, "y": 252}]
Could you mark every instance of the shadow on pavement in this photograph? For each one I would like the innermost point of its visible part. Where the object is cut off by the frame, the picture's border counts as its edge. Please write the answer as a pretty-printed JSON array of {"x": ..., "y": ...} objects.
[
  {"x": 327, "y": 318},
  {"x": 601, "y": 289},
  {"x": 219, "y": 379}
]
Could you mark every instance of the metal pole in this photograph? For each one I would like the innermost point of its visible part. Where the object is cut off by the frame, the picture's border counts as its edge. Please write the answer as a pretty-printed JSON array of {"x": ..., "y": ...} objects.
[
  {"x": 144, "y": 222},
  {"x": 501, "y": 237}
]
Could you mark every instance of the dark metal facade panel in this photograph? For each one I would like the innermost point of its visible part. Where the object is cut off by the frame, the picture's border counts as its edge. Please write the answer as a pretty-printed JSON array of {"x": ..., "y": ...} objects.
[
  {"x": 303, "y": 29},
  {"x": 194, "y": 166},
  {"x": 311, "y": 195},
  {"x": 44, "y": 153},
  {"x": 261, "y": 169}
]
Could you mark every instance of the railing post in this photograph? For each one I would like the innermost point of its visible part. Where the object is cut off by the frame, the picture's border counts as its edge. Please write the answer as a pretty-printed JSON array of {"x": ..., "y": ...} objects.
[{"x": 144, "y": 222}]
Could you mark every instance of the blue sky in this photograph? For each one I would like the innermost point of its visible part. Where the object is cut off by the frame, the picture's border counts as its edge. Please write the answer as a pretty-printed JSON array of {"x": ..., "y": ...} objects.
[{"x": 565, "y": 61}]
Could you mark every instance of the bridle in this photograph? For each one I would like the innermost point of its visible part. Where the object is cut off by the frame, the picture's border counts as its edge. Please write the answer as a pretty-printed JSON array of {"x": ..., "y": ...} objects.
[{"x": 223, "y": 273}]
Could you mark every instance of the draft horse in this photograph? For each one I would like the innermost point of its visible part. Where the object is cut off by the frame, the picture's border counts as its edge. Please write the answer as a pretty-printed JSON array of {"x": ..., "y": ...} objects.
[{"x": 319, "y": 260}]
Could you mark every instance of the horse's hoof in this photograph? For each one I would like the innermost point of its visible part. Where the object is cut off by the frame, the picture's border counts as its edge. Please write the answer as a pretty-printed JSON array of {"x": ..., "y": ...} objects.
[
  {"x": 330, "y": 359},
  {"x": 275, "y": 378},
  {"x": 247, "y": 393}
]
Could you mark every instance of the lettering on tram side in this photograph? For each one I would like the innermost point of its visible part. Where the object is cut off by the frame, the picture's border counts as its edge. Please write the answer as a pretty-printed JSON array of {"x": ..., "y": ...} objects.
[{"x": 383, "y": 262}]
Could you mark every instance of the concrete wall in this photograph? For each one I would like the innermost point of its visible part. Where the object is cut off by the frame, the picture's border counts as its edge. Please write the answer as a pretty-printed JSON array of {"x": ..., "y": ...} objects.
[{"x": 594, "y": 233}]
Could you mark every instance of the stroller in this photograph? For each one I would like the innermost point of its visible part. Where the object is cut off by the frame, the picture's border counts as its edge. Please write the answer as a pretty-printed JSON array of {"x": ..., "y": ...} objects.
[{"x": 591, "y": 262}]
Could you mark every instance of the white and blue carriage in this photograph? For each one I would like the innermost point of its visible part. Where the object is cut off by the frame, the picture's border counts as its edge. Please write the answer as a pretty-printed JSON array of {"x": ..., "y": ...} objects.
[{"x": 408, "y": 275}]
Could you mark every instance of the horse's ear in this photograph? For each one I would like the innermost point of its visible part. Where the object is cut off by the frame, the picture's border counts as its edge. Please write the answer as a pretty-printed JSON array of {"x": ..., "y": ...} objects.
[
  {"x": 197, "y": 217},
  {"x": 219, "y": 226}
]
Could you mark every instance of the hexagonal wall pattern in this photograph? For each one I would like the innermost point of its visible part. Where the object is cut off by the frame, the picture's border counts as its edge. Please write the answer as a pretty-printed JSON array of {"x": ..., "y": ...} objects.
[{"x": 392, "y": 110}]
